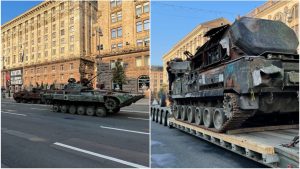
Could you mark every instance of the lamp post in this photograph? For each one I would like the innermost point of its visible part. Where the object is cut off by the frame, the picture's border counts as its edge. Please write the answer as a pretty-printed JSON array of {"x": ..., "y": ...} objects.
[{"x": 99, "y": 48}]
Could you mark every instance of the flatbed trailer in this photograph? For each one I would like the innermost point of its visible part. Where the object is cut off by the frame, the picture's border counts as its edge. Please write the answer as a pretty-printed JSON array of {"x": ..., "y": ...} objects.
[{"x": 261, "y": 144}]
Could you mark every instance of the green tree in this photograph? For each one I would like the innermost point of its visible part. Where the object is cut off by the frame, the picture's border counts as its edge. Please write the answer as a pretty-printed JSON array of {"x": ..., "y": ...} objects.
[{"x": 119, "y": 76}]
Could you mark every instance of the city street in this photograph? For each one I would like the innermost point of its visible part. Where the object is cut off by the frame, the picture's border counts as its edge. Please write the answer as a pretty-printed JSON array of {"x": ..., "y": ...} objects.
[
  {"x": 174, "y": 148},
  {"x": 33, "y": 136}
]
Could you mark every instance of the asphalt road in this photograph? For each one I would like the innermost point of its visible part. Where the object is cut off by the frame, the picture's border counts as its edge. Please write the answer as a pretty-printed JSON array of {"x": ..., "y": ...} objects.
[
  {"x": 33, "y": 136},
  {"x": 173, "y": 148}
]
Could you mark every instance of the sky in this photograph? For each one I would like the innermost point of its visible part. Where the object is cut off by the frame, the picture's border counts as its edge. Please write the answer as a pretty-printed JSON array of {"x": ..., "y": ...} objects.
[
  {"x": 12, "y": 9},
  {"x": 172, "y": 20}
]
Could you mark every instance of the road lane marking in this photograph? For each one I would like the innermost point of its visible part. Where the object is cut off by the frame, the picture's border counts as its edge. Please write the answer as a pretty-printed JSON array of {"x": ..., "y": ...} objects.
[
  {"x": 134, "y": 111},
  {"x": 136, "y": 118},
  {"x": 38, "y": 108},
  {"x": 131, "y": 131},
  {"x": 14, "y": 103},
  {"x": 101, "y": 156},
  {"x": 14, "y": 113},
  {"x": 23, "y": 135},
  {"x": 9, "y": 110}
]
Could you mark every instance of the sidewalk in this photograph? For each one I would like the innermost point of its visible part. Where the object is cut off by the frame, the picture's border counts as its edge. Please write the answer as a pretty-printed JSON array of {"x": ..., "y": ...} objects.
[{"x": 142, "y": 102}]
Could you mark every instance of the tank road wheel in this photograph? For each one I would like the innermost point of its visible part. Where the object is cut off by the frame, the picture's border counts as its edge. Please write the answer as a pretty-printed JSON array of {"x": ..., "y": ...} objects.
[
  {"x": 207, "y": 117},
  {"x": 191, "y": 114},
  {"x": 218, "y": 118},
  {"x": 24, "y": 101},
  {"x": 183, "y": 112},
  {"x": 228, "y": 104},
  {"x": 64, "y": 108},
  {"x": 176, "y": 111},
  {"x": 111, "y": 104},
  {"x": 90, "y": 111},
  {"x": 72, "y": 109},
  {"x": 81, "y": 110},
  {"x": 56, "y": 108},
  {"x": 199, "y": 115},
  {"x": 101, "y": 112}
]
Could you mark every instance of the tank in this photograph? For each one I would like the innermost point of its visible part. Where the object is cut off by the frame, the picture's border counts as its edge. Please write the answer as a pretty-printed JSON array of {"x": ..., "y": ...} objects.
[
  {"x": 33, "y": 96},
  {"x": 245, "y": 75},
  {"x": 81, "y": 98}
]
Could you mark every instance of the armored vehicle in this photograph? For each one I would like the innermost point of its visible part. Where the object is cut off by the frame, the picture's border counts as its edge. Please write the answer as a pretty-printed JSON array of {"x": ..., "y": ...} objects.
[
  {"x": 25, "y": 96},
  {"x": 247, "y": 73},
  {"x": 81, "y": 98}
]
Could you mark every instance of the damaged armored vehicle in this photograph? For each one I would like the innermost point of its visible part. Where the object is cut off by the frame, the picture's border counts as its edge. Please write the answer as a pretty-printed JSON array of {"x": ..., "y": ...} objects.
[
  {"x": 246, "y": 74},
  {"x": 82, "y": 99}
]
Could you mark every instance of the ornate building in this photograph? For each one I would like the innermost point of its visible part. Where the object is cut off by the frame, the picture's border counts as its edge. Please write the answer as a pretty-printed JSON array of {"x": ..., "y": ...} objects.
[
  {"x": 190, "y": 42},
  {"x": 122, "y": 34},
  {"x": 48, "y": 44},
  {"x": 285, "y": 11}
]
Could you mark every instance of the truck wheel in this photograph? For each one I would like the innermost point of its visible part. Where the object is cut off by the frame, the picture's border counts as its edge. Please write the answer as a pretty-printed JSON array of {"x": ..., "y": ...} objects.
[
  {"x": 218, "y": 118},
  {"x": 56, "y": 108},
  {"x": 207, "y": 117},
  {"x": 101, "y": 112},
  {"x": 191, "y": 114},
  {"x": 72, "y": 109},
  {"x": 198, "y": 116},
  {"x": 81, "y": 110},
  {"x": 177, "y": 111},
  {"x": 64, "y": 109},
  {"x": 183, "y": 112},
  {"x": 90, "y": 111}
]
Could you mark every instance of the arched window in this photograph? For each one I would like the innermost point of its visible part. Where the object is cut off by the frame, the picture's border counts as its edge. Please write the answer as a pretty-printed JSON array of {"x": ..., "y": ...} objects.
[{"x": 143, "y": 83}]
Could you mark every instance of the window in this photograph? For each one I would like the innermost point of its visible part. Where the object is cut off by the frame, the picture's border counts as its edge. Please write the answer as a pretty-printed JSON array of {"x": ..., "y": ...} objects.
[
  {"x": 61, "y": 67},
  {"x": 72, "y": 38},
  {"x": 54, "y": 51},
  {"x": 119, "y": 2},
  {"x": 143, "y": 83},
  {"x": 71, "y": 66},
  {"x": 46, "y": 30},
  {"x": 113, "y": 33},
  {"x": 112, "y": 3},
  {"x": 46, "y": 37},
  {"x": 62, "y": 49},
  {"x": 71, "y": 48},
  {"x": 62, "y": 32},
  {"x": 53, "y": 43},
  {"x": 62, "y": 23},
  {"x": 53, "y": 19},
  {"x": 139, "y": 42},
  {"x": 46, "y": 46},
  {"x": 113, "y": 46},
  {"x": 113, "y": 18},
  {"x": 71, "y": 20},
  {"x": 139, "y": 27},
  {"x": 62, "y": 7},
  {"x": 53, "y": 68},
  {"x": 39, "y": 40},
  {"x": 46, "y": 54},
  {"x": 146, "y": 24},
  {"x": 62, "y": 76},
  {"x": 62, "y": 40},
  {"x": 53, "y": 26},
  {"x": 138, "y": 10},
  {"x": 112, "y": 64},
  {"x": 120, "y": 32},
  {"x": 138, "y": 61},
  {"x": 146, "y": 60},
  {"x": 119, "y": 14},
  {"x": 146, "y": 7},
  {"x": 71, "y": 28},
  {"x": 120, "y": 45},
  {"x": 147, "y": 41},
  {"x": 53, "y": 10}
]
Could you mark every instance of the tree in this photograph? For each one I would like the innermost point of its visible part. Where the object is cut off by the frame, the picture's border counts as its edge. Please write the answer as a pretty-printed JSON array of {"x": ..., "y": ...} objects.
[{"x": 119, "y": 76}]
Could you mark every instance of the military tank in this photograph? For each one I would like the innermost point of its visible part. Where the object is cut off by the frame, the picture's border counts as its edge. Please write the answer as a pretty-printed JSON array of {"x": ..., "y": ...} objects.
[
  {"x": 81, "y": 98},
  {"x": 246, "y": 74}
]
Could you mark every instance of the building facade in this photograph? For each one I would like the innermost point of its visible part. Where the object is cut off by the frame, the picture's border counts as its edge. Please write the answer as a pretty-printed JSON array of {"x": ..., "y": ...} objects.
[
  {"x": 190, "y": 42},
  {"x": 156, "y": 82},
  {"x": 48, "y": 44},
  {"x": 122, "y": 34},
  {"x": 284, "y": 11}
]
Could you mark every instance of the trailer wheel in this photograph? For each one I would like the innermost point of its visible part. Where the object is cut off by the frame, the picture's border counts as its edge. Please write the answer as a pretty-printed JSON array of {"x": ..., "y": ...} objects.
[
  {"x": 90, "y": 111},
  {"x": 81, "y": 110},
  {"x": 208, "y": 117},
  {"x": 177, "y": 111},
  {"x": 72, "y": 109},
  {"x": 101, "y": 112},
  {"x": 64, "y": 109},
  {"x": 218, "y": 118}
]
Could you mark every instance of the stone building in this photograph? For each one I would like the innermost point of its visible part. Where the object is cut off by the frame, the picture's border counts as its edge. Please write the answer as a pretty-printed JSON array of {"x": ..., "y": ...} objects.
[
  {"x": 190, "y": 42},
  {"x": 156, "y": 80},
  {"x": 48, "y": 44},
  {"x": 122, "y": 34},
  {"x": 285, "y": 11}
]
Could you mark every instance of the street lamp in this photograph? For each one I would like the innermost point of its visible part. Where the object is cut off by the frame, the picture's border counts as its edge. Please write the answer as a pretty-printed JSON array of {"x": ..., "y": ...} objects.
[{"x": 99, "y": 48}]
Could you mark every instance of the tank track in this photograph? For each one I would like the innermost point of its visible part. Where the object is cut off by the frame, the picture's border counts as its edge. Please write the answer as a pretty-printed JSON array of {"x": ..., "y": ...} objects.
[{"x": 236, "y": 119}]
